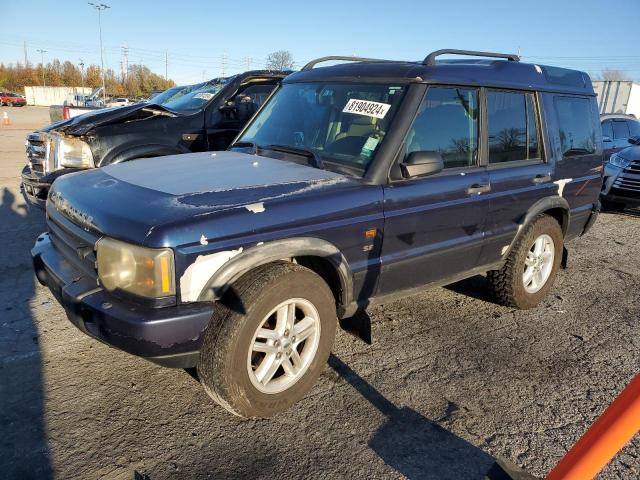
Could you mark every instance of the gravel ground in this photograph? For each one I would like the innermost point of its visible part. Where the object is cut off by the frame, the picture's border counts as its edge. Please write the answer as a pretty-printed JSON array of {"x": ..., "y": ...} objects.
[{"x": 451, "y": 382}]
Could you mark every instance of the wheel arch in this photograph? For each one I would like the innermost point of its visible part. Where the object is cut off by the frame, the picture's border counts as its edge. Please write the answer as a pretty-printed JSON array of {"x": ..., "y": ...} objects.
[
  {"x": 318, "y": 255},
  {"x": 126, "y": 153}
]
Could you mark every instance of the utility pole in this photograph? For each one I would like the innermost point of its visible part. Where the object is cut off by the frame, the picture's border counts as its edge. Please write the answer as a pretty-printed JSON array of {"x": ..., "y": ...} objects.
[
  {"x": 26, "y": 60},
  {"x": 249, "y": 60},
  {"x": 125, "y": 53},
  {"x": 100, "y": 7},
  {"x": 224, "y": 63},
  {"x": 166, "y": 64},
  {"x": 42, "y": 52}
]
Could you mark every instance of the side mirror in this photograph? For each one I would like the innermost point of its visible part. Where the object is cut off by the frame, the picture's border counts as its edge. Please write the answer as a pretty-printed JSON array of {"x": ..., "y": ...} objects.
[
  {"x": 607, "y": 139},
  {"x": 635, "y": 140},
  {"x": 419, "y": 164}
]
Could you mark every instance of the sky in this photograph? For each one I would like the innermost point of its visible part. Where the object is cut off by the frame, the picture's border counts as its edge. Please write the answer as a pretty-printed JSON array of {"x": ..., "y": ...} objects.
[{"x": 195, "y": 36}]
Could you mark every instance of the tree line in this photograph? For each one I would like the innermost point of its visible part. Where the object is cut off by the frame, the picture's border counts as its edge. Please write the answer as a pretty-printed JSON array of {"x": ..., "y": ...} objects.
[{"x": 138, "y": 81}]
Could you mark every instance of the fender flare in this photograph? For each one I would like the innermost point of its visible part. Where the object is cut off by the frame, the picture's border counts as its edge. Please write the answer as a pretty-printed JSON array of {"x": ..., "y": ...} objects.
[
  {"x": 273, "y": 251},
  {"x": 541, "y": 206},
  {"x": 125, "y": 153}
]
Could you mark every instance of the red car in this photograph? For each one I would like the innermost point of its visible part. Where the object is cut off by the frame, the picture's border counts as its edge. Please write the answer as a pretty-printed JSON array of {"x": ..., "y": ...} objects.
[{"x": 12, "y": 99}]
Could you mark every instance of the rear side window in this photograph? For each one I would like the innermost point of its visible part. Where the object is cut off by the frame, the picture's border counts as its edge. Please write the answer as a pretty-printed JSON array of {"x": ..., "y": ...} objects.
[
  {"x": 575, "y": 124},
  {"x": 447, "y": 123},
  {"x": 607, "y": 131},
  {"x": 634, "y": 128},
  {"x": 620, "y": 130},
  {"x": 512, "y": 127}
]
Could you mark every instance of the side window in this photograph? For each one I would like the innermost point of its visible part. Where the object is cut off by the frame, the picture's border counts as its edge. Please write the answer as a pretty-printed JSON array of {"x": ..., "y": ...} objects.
[
  {"x": 607, "y": 130},
  {"x": 447, "y": 122},
  {"x": 512, "y": 127},
  {"x": 256, "y": 94},
  {"x": 620, "y": 130},
  {"x": 575, "y": 123},
  {"x": 634, "y": 127}
]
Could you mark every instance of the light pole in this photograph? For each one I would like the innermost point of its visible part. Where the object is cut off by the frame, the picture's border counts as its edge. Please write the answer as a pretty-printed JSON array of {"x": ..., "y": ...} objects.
[
  {"x": 42, "y": 52},
  {"x": 100, "y": 7},
  {"x": 84, "y": 96}
]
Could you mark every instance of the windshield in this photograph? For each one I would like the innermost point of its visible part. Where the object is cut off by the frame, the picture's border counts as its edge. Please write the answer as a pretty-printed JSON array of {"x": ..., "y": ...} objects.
[
  {"x": 197, "y": 98},
  {"x": 173, "y": 93},
  {"x": 342, "y": 124}
]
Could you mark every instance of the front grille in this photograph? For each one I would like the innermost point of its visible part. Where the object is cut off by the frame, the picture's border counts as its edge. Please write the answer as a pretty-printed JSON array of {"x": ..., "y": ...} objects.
[
  {"x": 75, "y": 244},
  {"x": 38, "y": 152},
  {"x": 629, "y": 179}
]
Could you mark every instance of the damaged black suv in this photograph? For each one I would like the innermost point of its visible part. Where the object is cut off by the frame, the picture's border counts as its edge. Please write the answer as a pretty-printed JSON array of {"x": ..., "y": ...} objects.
[
  {"x": 205, "y": 118},
  {"x": 353, "y": 185}
]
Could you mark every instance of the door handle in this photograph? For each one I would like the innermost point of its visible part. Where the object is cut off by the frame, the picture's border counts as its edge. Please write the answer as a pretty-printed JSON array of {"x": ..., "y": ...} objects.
[
  {"x": 542, "y": 178},
  {"x": 479, "y": 188}
]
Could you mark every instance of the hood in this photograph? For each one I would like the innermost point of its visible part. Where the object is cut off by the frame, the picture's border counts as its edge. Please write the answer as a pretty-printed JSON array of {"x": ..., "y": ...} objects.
[
  {"x": 630, "y": 153},
  {"x": 82, "y": 124},
  {"x": 129, "y": 200}
]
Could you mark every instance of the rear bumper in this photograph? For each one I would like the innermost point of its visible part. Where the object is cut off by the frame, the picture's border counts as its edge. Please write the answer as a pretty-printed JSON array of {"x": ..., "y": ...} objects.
[{"x": 168, "y": 336}]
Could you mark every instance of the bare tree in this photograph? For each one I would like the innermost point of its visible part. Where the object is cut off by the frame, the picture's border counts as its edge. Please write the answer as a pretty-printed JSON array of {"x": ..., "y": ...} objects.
[
  {"x": 609, "y": 74},
  {"x": 280, "y": 60}
]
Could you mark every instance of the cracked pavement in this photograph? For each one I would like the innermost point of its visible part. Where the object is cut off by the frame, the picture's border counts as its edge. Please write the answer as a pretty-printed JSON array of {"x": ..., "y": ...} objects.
[{"x": 451, "y": 382}]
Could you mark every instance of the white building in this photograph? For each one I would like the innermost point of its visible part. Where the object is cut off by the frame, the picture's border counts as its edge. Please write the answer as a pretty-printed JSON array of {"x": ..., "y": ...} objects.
[{"x": 616, "y": 96}]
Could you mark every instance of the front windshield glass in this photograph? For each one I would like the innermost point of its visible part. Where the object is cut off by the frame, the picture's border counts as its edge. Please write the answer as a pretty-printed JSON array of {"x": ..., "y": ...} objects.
[
  {"x": 171, "y": 94},
  {"x": 197, "y": 98},
  {"x": 342, "y": 124}
]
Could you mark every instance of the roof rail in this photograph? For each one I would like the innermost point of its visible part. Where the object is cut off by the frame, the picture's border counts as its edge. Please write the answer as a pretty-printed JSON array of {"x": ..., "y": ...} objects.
[
  {"x": 431, "y": 58},
  {"x": 313, "y": 63}
]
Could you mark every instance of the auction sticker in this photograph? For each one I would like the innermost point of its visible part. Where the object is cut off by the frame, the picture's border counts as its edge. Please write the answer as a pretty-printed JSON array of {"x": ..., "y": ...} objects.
[{"x": 366, "y": 108}]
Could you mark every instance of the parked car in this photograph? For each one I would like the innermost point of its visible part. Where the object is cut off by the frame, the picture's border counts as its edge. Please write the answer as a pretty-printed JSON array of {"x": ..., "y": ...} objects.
[
  {"x": 617, "y": 128},
  {"x": 11, "y": 99},
  {"x": 205, "y": 118},
  {"x": 119, "y": 102},
  {"x": 77, "y": 105},
  {"x": 621, "y": 187},
  {"x": 353, "y": 185}
]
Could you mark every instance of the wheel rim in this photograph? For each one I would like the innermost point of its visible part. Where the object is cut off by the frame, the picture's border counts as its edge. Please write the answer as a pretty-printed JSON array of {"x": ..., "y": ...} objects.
[
  {"x": 284, "y": 345},
  {"x": 538, "y": 264}
]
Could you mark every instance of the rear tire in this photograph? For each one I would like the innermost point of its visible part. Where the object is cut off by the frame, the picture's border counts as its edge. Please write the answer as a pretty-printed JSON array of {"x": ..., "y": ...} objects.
[
  {"x": 251, "y": 361},
  {"x": 531, "y": 266}
]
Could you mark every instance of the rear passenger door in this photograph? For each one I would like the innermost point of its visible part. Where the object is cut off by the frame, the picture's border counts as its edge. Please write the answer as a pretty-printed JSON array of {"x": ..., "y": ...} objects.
[
  {"x": 434, "y": 224},
  {"x": 518, "y": 172}
]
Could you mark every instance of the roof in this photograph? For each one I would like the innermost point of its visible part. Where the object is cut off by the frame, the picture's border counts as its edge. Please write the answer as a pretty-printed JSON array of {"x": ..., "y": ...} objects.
[
  {"x": 624, "y": 116},
  {"x": 473, "y": 72}
]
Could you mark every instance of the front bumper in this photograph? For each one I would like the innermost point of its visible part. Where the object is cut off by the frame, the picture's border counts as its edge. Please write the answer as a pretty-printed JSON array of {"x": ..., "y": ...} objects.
[
  {"x": 621, "y": 185},
  {"x": 169, "y": 336},
  {"x": 35, "y": 188}
]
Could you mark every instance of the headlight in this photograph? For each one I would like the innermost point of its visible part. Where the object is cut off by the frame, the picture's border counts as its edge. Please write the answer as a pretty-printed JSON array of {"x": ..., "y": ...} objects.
[
  {"x": 147, "y": 272},
  {"x": 73, "y": 152},
  {"x": 618, "y": 161}
]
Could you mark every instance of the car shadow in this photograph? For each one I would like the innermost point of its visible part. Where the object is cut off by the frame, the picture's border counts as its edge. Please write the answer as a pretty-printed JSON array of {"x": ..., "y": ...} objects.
[
  {"x": 24, "y": 451},
  {"x": 476, "y": 287},
  {"x": 418, "y": 447}
]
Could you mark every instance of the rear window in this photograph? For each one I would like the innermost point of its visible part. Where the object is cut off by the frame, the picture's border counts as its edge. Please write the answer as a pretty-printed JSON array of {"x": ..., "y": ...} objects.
[{"x": 575, "y": 124}]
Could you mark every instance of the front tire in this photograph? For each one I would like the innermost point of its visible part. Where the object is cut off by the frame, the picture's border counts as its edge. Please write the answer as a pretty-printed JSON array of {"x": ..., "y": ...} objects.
[
  {"x": 531, "y": 266},
  {"x": 268, "y": 341}
]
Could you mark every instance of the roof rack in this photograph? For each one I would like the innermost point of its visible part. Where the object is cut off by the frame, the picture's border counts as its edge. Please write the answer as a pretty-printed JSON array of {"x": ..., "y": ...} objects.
[
  {"x": 313, "y": 63},
  {"x": 431, "y": 58}
]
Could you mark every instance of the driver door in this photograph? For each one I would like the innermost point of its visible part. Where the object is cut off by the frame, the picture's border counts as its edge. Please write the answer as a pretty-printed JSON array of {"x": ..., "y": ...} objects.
[{"x": 226, "y": 121}]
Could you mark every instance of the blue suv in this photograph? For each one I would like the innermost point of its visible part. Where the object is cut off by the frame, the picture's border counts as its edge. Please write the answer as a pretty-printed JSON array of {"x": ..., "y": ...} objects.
[{"x": 354, "y": 184}]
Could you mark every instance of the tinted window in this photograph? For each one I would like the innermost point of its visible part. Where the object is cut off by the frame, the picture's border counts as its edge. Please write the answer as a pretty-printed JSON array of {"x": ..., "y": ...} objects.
[
  {"x": 447, "y": 123},
  {"x": 513, "y": 132},
  {"x": 634, "y": 127},
  {"x": 620, "y": 130},
  {"x": 577, "y": 133},
  {"x": 607, "y": 131}
]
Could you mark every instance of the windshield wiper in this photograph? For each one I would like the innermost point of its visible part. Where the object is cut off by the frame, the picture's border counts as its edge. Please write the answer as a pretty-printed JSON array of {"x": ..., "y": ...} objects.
[
  {"x": 251, "y": 145},
  {"x": 305, "y": 152}
]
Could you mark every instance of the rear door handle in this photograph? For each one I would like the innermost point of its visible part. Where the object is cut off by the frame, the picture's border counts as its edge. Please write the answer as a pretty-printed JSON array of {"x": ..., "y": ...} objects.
[
  {"x": 542, "y": 178},
  {"x": 479, "y": 188}
]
